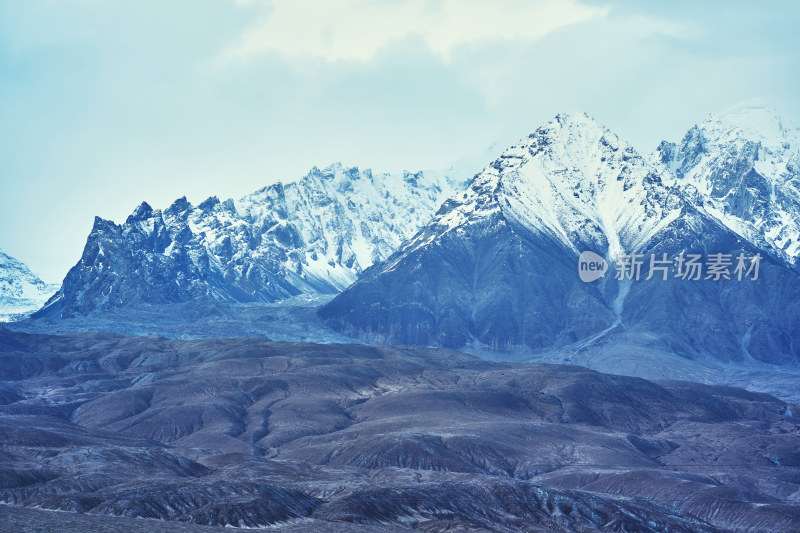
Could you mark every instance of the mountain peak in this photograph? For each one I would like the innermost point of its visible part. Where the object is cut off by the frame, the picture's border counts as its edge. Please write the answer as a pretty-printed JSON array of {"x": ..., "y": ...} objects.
[
  {"x": 743, "y": 162},
  {"x": 101, "y": 224},
  {"x": 576, "y": 179},
  {"x": 573, "y": 117},
  {"x": 333, "y": 172},
  {"x": 754, "y": 119},
  {"x": 572, "y": 179},
  {"x": 575, "y": 132},
  {"x": 209, "y": 203},
  {"x": 142, "y": 212},
  {"x": 569, "y": 122},
  {"x": 178, "y": 206}
]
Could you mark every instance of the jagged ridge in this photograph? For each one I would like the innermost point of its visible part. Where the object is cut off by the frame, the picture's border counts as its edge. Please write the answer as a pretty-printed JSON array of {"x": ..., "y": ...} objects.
[
  {"x": 497, "y": 266},
  {"x": 744, "y": 165},
  {"x": 310, "y": 237}
]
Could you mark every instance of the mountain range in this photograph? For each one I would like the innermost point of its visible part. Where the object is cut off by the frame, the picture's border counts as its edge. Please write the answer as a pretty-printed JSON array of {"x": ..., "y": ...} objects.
[
  {"x": 313, "y": 236},
  {"x": 497, "y": 266},
  {"x": 197, "y": 422}
]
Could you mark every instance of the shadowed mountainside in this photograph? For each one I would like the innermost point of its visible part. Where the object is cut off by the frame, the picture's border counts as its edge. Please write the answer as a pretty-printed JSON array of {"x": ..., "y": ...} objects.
[
  {"x": 496, "y": 268},
  {"x": 309, "y": 237}
]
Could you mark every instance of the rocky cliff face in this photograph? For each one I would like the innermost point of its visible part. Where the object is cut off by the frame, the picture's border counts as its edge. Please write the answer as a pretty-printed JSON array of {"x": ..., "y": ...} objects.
[
  {"x": 498, "y": 265},
  {"x": 314, "y": 236},
  {"x": 744, "y": 165}
]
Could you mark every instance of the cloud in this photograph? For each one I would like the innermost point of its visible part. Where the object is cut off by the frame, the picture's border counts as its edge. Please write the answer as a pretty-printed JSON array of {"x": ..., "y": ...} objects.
[{"x": 355, "y": 30}]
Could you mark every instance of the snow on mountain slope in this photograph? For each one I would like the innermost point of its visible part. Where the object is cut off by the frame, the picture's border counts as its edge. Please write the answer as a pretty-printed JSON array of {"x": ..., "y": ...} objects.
[
  {"x": 314, "y": 236},
  {"x": 745, "y": 166},
  {"x": 497, "y": 266},
  {"x": 574, "y": 181},
  {"x": 497, "y": 263},
  {"x": 21, "y": 291},
  {"x": 346, "y": 219}
]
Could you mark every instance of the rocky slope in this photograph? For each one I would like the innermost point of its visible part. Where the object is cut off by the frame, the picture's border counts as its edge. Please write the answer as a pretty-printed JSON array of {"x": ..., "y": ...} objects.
[
  {"x": 250, "y": 433},
  {"x": 314, "y": 236},
  {"x": 497, "y": 267},
  {"x": 744, "y": 166}
]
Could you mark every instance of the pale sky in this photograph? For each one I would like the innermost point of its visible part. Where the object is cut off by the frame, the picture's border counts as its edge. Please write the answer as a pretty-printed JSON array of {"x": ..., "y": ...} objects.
[{"x": 105, "y": 104}]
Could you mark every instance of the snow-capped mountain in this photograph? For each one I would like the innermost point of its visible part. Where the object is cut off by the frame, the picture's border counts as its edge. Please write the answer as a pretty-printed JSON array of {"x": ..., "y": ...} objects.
[
  {"x": 21, "y": 291},
  {"x": 498, "y": 264},
  {"x": 312, "y": 236},
  {"x": 744, "y": 164},
  {"x": 573, "y": 181}
]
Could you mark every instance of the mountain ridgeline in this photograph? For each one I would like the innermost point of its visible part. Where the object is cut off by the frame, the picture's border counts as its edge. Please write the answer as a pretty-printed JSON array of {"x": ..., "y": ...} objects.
[
  {"x": 314, "y": 236},
  {"x": 497, "y": 266}
]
